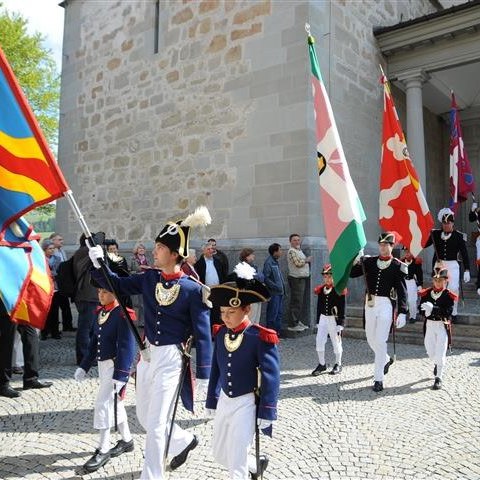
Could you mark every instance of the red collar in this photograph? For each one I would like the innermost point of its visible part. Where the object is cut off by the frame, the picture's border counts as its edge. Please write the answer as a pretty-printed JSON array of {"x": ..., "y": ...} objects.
[
  {"x": 384, "y": 259},
  {"x": 107, "y": 308},
  {"x": 438, "y": 290},
  {"x": 242, "y": 326},
  {"x": 172, "y": 276}
]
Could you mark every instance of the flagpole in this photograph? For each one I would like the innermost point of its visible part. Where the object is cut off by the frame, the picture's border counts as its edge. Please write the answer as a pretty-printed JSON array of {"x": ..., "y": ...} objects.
[{"x": 91, "y": 242}]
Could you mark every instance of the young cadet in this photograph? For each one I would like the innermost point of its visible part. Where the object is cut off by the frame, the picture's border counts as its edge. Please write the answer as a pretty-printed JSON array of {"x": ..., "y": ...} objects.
[
  {"x": 113, "y": 346},
  {"x": 385, "y": 282},
  {"x": 174, "y": 310},
  {"x": 243, "y": 354},
  {"x": 414, "y": 282},
  {"x": 436, "y": 304},
  {"x": 331, "y": 321}
]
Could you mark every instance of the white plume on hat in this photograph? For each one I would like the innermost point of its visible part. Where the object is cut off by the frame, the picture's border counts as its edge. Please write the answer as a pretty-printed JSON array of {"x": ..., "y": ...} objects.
[
  {"x": 199, "y": 218},
  {"x": 244, "y": 270},
  {"x": 443, "y": 212}
]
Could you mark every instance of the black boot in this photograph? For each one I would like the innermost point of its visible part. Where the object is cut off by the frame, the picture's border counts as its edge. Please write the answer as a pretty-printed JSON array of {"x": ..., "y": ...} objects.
[
  {"x": 263, "y": 461},
  {"x": 121, "y": 447},
  {"x": 336, "y": 369},
  {"x": 7, "y": 391},
  {"x": 377, "y": 386},
  {"x": 435, "y": 371},
  {"x": 35, "y": 383},
  {"x": 181, "y": 458},
  {"x": 97, "y": 460},
  {"x": 320, "y": 368},
  {"x": 437, "y": 384},
  {"x": 386, "y": 368}
]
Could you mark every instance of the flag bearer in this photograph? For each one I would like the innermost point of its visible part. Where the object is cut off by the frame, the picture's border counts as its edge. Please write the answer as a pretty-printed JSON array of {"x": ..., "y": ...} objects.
[
  {"x": 436, "y": 304},
  {"x": 331, "y": 321},
  {"x": 385, "y": 285},
  {"x": 113, "y": 346}
]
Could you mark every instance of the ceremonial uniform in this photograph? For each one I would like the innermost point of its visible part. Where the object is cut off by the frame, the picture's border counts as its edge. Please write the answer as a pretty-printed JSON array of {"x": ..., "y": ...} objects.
[
  {"x": 245, "y": 371},
  {"x": 331, "y": 321},
  {"x": 474, "y": 216},
  {"x": 414, "y": 282},
  {"x": 437, "y": 306},
  {"x": 447, "y": 247},
  {"x": 385, "y": 280}
]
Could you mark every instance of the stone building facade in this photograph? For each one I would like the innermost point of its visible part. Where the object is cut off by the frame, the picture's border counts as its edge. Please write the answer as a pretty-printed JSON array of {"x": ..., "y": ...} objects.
[{"x": 167, "y": 105}]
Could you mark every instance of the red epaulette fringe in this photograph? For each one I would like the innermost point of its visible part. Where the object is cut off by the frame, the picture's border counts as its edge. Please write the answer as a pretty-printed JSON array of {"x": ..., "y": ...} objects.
[
  {"x": 423, "y": 292},
  {"x": 453, "y": 296},
  {"x": 268, "y": 335},
  {"x": 132, "y": 313},
  {"x": 216, "y": 328}
]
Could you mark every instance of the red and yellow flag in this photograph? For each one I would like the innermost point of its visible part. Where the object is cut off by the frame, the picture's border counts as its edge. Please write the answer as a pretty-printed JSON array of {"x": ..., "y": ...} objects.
[
  {"x": 403, "y": 207},
  {"x": 29, "y": 175}
]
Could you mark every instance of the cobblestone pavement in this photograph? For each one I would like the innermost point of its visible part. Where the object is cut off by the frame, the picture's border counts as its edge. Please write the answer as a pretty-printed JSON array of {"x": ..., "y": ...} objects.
[{"x": 330, "y": 427}]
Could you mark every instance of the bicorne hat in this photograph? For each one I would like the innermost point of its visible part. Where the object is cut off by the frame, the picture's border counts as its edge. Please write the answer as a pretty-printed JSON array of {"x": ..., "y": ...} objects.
[
  {"x": 245, "y": 290},
  {"x": 389, "y": 237},
  {"x": 327, "y": 269},
  {"x": 440, "y": 272},
  {"x": 175, "y": 235},
  {"x": 446, "y": 215}
]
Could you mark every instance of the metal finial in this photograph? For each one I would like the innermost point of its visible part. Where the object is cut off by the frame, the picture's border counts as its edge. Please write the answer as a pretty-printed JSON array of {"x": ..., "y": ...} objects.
[{"x": 307, "y": 28}]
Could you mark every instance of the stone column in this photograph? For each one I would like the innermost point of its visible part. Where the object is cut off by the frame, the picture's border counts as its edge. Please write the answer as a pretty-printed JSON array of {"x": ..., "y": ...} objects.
[{"x": 413, "y": 82}]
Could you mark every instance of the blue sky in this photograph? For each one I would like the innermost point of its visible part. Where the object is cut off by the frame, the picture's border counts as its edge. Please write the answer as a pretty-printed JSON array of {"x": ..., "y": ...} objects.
[{"x": 45, "y": 17}]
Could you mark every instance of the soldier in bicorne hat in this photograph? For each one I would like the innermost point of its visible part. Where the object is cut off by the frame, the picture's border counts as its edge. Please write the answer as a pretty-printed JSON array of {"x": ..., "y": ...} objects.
[
  {"x": 243, "y": 354},
  {"x": 385, "y": 285},
  {"x": 436, "y": 304},
  {"x": 331, "y": 320},
  {"x": 448, "y": 244},
  {"x": 113, "y": 347},
  {"x": 175, "y": 309}
]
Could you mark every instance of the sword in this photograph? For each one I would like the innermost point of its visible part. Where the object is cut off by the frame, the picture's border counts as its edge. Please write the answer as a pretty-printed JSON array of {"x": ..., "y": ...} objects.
[
  {"x": 115, "y": 406},
  {"x": 393, "y": 297},
  {"x": 185, "y": 349}
]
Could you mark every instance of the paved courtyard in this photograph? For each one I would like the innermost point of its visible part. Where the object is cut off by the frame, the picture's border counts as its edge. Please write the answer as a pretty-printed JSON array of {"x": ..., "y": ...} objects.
[{"x": 330, "y": 427}]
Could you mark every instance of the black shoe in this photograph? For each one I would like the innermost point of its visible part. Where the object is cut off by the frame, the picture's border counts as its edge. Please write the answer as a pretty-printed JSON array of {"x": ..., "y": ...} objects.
[
  {"x": 121, "y": 447},
  {"x": 57, "y": 336},
  {"x": 8, "y": 391},
  {"x": 435, "y": 371},
  {"x": 412, "y": 320},
  {"x": 386, "y": 368},
  {"x": 70, "y": 329},
  {"x": 336, "y": 369},
  {"x": 438, "y": 384},
  {"x": 377, "y": 386},
  {"x": 263, "y": 461},
  {"x": 17, "y": 370},
  {"x": 96, "y": 461},
  {"x": 181, "y": 458},
  {"x": 320, "y": 368},
  {"x": 28, "y": 384}
]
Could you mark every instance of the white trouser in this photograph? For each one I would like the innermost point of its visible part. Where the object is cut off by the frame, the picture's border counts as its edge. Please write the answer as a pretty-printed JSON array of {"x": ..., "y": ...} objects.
[
  {"x": 103, "y": 414},
  {"x": 412, "y": 295},
  {"x": 477, "y": 245},
  {"x": 378, "y": 320},
  {"x": 233, "y": 431},
  {"x": 453, "y": 279},
  {"x": 255, "y": 312},
  {"x": 156, "y": 385},
  {"x": 436, "y": 343},
  {"x": 328, "y": 326}
]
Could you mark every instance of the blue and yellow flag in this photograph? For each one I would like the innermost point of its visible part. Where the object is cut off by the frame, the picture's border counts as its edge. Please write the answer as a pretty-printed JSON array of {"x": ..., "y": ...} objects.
[
  {"x": 29, "y": 175},
  {"x": 26, "y": 288}
]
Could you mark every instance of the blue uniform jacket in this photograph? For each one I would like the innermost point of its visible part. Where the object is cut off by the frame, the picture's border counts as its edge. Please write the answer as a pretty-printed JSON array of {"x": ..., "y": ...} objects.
[
  {"x": 112, "y": 340},
  {"x": 172, "y": 324},
  {"x": 236, "y": 372}
]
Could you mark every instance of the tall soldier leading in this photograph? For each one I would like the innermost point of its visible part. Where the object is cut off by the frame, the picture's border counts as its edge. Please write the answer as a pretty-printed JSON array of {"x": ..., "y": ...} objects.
[
  {"x": 174, "y": 310},
  {"x": 385, "y": 284},
  {"x": 449, "y": 244}
]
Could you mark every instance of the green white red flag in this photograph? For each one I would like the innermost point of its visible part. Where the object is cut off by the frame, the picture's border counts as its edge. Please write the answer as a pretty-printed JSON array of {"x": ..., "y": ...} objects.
[
  {"x": 403, "y": 207},
  {"x": 343, "y": 213}
]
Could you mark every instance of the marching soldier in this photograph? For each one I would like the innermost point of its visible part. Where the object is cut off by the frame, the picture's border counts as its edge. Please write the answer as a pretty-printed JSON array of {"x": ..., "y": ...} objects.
[
  {"x": 174, "y": 310},
  {"x": 448, "y": 244},
  {"x": 436, "y": 304},
  {"x": 385, "y": 286},
  {"x": 113, "y": 346},
  {"x": 331, "y": 321},
  {"x": 414, "y": 282},
  {"x": 474, "y": 216},
  {"x": 243, "y": 353}
]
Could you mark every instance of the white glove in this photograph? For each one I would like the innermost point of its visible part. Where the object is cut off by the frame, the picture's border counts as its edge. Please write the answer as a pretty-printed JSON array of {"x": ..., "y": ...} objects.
[
  {"x": 95, "y": 253},
  {"x": 401, "y": 320},
  {"x": 202, "y": 386},
  {"x": 466, "y": 276},
  {"x": 357, "y": 259},
  {"x": 427, "y": 308},
  {"x": 474, "y": 206},
  {"x": 118, "y": 385},
  {"x": 262, "y": 423},
  {"x": 419, "y": 288},
  {"x": 210, "y": 412},
  {"x": 338, "y": 329},
  {"x": 80, "y": 375}
]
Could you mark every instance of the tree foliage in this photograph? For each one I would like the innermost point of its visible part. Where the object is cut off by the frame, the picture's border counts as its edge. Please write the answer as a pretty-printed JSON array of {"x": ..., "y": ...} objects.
[{"x": 35, "y": 69}]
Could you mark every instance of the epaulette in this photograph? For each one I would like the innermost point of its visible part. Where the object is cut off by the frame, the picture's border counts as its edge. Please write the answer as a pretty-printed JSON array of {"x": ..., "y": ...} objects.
[
  {"x": 318, "y": 289},
  {"x": 267, "y": 335},
  {"x": 452, "y": 295},
  {"x": 424, "y": 292},
  {"x": 216, "y": 328},
  {"x": 464, "y": 235},
  {"x": 205, "y": 291},
  {"x": 132, "y": 313},
  {"x": 403, "y": 266},
  {"x": 418, "y": 261}
]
